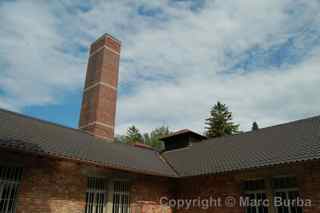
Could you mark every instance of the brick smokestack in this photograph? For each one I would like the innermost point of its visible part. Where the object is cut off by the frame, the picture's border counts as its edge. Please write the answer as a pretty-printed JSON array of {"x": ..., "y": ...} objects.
[{"x": 99, "y": 100}]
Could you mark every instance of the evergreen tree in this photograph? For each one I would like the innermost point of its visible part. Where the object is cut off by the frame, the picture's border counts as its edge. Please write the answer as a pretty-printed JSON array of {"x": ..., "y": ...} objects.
[
  {"x": 133, "y": 135},
  {"x": 152, "y": 139},
  {"x": 254, "y": 126},
  {"x": 220, "y": 122}
]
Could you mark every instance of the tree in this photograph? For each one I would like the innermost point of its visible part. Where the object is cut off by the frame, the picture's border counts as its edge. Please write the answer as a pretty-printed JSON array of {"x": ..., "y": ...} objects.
[
  {"x": 133, "y": 135},
  {"x": 120, "y": 139},
  {"x": 220, "y": 122},
  {"x": 254, "y": 126},
  {"x": 153, "y": 138}
]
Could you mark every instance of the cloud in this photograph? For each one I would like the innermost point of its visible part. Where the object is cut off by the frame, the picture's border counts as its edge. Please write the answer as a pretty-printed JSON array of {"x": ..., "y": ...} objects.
[
  {"x": 266, "y": 96},
  {"x": 178, "y": 57},
  {"x": 35, "y": 67}
]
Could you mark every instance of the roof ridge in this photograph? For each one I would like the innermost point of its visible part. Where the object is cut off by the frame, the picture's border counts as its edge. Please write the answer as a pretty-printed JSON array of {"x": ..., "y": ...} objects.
[
  {"x": 165, "y": 161},
  {"x": 65, "y": 127},
  {"x": 132, "y": 145},
  {"x": 167, "y": 165},
  {"x": 85, "y": 151},
  {"x": 286, "y": 123},
  {"x": 43, "y": 121},
  {"x": 260, "y": 129}
]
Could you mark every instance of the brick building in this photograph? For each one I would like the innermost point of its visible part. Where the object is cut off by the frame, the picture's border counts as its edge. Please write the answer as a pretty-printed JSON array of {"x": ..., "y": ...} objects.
[{"x": 48, "y": 168}]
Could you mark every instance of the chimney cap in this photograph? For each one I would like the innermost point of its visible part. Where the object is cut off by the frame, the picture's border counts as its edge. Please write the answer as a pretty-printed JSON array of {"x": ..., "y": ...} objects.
[{"x": 107, "y": 35}]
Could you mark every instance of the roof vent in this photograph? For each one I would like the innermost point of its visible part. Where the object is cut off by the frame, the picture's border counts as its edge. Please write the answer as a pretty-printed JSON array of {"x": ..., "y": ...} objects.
[{"x": 180, "y": 139}]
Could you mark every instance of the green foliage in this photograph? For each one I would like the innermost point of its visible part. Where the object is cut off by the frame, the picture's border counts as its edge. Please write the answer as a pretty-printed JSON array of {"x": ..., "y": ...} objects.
[
  {"x": 254, "y": 126},
  {"x": 133, "y": 136},
  {"x": 152, "y": 139},
  {"x": 220, "y": 122}
]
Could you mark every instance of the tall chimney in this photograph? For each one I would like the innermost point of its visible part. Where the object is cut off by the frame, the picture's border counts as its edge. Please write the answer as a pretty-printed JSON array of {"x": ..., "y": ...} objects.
[{"x": 98, "y": 107}]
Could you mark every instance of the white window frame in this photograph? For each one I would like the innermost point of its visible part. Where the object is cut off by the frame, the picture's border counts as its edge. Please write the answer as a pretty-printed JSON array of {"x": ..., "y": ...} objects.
[
  {"x": 96, "y": 187},
  {"x": 270, "y": 192},
  {"x": 286, "y": 191},
  {"x": 10, "y": 178},
  {"x": 124, "y": 196},
  {"x": 255, "y": 193}
]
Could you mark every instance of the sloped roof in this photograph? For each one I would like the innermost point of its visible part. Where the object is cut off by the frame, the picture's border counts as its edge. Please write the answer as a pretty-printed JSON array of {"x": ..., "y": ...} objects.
[
  {"x": 291, "y": 142},
  {"x": 33, "y": 135},
  {"x": 286, "y": 143}
]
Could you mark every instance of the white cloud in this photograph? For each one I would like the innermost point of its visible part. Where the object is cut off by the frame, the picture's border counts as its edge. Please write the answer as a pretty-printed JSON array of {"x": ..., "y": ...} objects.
[
  {"x": 36, "y": 69},
  {"x": 179, "y": 61},
  {"x": 266, "y": 96}
]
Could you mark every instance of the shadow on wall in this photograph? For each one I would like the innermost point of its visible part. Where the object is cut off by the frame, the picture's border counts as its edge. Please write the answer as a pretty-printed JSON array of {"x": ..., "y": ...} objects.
[
  {"x": 51, "y": 186},
  {"x": 21, "y": 145},
  {"x": 147, "y": 192}
]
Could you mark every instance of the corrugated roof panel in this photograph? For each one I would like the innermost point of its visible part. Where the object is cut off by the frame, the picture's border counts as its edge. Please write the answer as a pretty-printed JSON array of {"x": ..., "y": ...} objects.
[
  {"x": 295, "y": 141},
  {"x": 291, "y": 142},
  {"x": 29, "y": 134}
]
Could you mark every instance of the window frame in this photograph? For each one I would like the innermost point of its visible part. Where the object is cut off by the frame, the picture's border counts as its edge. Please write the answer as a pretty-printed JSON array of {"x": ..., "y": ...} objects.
[
  {"x": 124, "y": 196},
  {"x": 96, "y": 192},
  {"x": 11, "y": 177},
  {"x": 287, "y": 191},
  {"x": 111, "y": 193},
  {"x": 270, "y": 191},
  {"x": 256, "y": 192}
]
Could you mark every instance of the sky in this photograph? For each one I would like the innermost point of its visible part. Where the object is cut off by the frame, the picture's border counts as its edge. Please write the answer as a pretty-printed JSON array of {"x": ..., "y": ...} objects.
[{"x": 178, "y": 58}]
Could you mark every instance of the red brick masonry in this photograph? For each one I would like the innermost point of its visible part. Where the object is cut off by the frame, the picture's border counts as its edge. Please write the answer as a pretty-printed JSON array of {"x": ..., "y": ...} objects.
[
  {"x": 59, "y": 186},
  {"x": 308, "y": 176},
  {"x": 98, "y": 108}
]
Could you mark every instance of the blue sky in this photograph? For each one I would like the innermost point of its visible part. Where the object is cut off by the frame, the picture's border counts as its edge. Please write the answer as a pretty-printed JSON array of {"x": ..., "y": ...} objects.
[{"x": 178, "y": 58}]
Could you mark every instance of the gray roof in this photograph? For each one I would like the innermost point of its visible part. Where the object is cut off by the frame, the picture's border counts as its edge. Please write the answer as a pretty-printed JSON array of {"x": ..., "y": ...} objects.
[
  {"x": 33, "y": 135},
  {"x": 285, "y": 143}
]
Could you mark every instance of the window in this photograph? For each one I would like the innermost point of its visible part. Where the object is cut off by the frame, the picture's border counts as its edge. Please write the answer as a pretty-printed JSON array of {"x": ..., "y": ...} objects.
[
  {"x": 121, "y": 202},
  {"x": 286, "y": 189},
  {"x": 96, "y": 195},
  {"x": 103, "y": 199},
  {"x": 283, "y": 189},
  {"x": 255, "y": 192},
  {"x": 10, "y": 178}
]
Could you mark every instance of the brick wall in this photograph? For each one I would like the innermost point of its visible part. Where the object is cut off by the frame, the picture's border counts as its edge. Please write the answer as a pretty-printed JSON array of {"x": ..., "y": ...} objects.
[
  {"x": 55, "y": 186},
  {"x": 205, "y": 187},
  {"x": 59, "y": 186},
  {"x": 98, "y": 109},
  {"x": 51, "y": 186},
  {"x": 310, "y": 186},
  {"x": 308, "y": 176},
  {"x": 146, "y": 193}
]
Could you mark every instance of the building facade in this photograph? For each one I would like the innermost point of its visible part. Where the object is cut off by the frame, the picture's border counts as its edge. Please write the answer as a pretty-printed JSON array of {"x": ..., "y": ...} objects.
[{"x": 48, "y": 168}]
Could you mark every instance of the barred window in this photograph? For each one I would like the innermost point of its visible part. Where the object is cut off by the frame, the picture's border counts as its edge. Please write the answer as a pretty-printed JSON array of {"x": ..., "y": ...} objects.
[
  {"x": 255, "y": 192},
  {"x": 284, "y": 182},
  {"x": 121, "y": 198},
  {"x": 10, "y": 178},
  {"x": 96, "y": 195},
  {"x": 253, "y": 185},
  {"x": 286, "y": 188}
]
